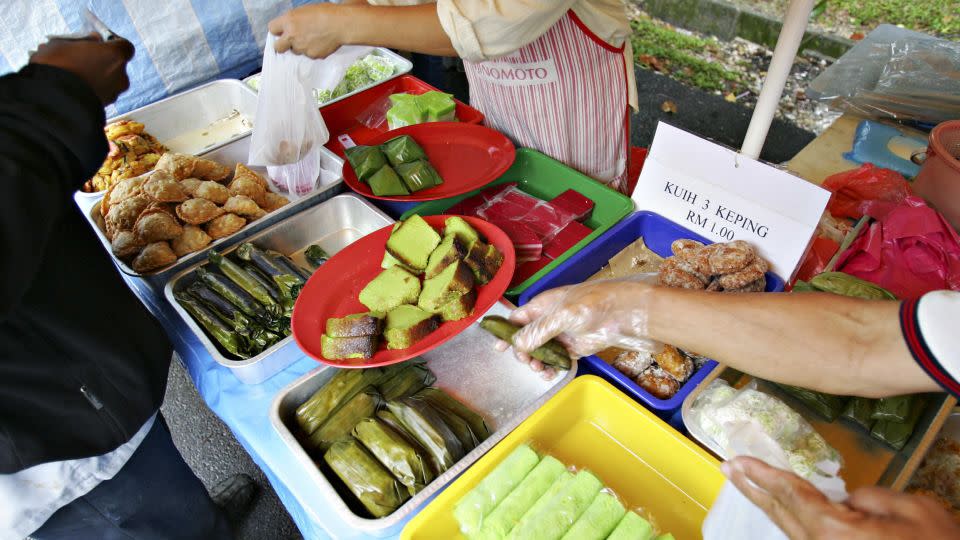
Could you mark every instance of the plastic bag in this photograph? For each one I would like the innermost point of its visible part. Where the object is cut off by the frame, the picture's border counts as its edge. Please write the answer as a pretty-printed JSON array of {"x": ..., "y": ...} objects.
[
  {"x": 855, "y": 191},
  {"x": 910, "y": 250},
  {"x": 541, "y": 217},
  {"x": 289, "y": 130}
]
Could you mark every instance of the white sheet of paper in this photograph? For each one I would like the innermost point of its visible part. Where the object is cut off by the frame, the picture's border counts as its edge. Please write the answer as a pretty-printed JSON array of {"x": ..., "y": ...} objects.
[{"x": 724, "y": 196}]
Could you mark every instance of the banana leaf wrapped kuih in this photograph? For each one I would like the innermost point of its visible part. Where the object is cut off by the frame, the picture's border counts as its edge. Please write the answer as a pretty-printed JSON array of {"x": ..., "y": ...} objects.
[
  {"x": 341, "y": 423},
  {"x": 407, "y": 462},
  {"x": 440, "y": 399},
  {"x": 226, "y": 336},
  {"x": 258, "y": 337},
  {"x": 826, "y": 405},
  {"x": 402, "y": 149},
  {"x": 242, "y": 278},
  {"x": 847, "y": 285},
  {"x": 428, "y": 428},
  {"x": 379, "y": 492},
  {"x": 893, "y": 409},
  {"x": 418, "y": 175},
  {"x": 365, "y": 160},
  {"x": 860, "y": 411},
  {"x": 236, "y": 295},
  {"x": 316, "y": 255},
  {"x": 551, "y": 353},
  {"x": 408, "y": 381},
  {"x": 459, "y": 426},
  {"x": 896, "y": 434}
]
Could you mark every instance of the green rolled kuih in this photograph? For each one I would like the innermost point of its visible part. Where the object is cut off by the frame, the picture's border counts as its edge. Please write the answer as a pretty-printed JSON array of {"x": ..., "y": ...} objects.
[
  {"x": 847, "y": 285},
  {"x": 407, "y": 463},
  {"x": 339, "y": 389},
  {"x": 860, "y": 411},
  {"x": 551, "y": 353},
  {"x": 341, "y": 423},
  {"x": 365, "y": 160},
  {"x": 440, "y": 399},
  {"x": 507, "y": 514},
  {"x": 472, "y": 509},
  {"x": 561, "y": 512},
  {"x": 599, "y": 520},
  {"x": 633, "y": 527},
  {"x": 379, "y": 492}
]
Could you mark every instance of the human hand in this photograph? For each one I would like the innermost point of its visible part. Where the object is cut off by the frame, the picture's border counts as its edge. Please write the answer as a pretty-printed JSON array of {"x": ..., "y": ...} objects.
[
  {"x": 315, "y": 30},
  {"x": 101, "y": 64},
  {"x": 803, "y": 513}
]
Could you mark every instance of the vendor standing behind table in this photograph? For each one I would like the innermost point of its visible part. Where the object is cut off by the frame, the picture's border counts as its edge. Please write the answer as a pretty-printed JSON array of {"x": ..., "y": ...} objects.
[
  {"x": 84, "y": 452},
  {"x": 553, "y": 75},
  {"x": 823, "y": 342}
]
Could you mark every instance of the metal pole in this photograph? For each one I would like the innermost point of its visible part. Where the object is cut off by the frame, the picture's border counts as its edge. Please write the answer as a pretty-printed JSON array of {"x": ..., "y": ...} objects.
[{"x": 788, "y": 44}]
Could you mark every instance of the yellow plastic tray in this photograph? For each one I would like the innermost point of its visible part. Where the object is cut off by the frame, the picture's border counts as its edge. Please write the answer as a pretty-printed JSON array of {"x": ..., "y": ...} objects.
[{"x": 591, "y": 425}]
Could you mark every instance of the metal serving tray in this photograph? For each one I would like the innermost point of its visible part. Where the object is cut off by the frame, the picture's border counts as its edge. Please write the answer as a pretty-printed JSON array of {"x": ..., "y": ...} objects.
[
  {"x": 194, "y": 109},
  {"x": 493, "y": 383},
  {"x": 402, "y": 66},
  {"x": 333, "y": 225},
  {"x": 235, "y": 152},
  {"x": 866, "y": 461}
]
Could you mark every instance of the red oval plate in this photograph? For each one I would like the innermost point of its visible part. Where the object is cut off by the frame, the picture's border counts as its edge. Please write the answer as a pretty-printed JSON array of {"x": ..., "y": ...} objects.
[
  {"x": 466, "y": 156},
  {"x": 333, "y": 290}
]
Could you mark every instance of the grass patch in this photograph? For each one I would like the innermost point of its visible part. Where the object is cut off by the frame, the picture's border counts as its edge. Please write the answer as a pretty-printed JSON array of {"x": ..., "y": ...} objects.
[
  {"x": 680, "y": 56},
  {"x": 937, "y": 17}
]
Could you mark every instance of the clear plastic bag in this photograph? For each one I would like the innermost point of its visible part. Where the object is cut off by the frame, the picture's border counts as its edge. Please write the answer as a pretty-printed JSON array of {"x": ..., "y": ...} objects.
[{"x": 541, "y": 217}]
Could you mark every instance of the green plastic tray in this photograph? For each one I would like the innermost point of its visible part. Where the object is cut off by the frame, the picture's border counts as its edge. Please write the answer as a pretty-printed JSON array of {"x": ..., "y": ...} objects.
[{"x": 545, "y": 178}]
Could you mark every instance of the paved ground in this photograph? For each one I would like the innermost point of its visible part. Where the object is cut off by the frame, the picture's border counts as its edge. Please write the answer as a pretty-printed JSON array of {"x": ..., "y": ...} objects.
[{"x": 210, "y": 448}]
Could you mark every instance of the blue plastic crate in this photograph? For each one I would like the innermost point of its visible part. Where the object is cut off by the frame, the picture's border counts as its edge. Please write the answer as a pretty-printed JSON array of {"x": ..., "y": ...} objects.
[{"x": 658, "y": 233}]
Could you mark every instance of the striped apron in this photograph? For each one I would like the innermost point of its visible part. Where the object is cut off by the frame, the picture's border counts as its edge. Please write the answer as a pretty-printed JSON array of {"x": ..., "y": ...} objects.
[{"x": 565, "y": 95}]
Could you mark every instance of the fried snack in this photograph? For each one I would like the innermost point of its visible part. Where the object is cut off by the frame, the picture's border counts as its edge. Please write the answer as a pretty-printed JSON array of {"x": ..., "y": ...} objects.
[
  {"x": 242, "y": 206},
  {"x": 674, "y": 362},
  {"x": 731, "y": 267},
  {"x": 153, "y": 256},
  {"x": 123, "y": 215},
  {"x": 198, "y": 211},
  {"x": 161, "y": 187},
  {"x": 257, "y": 215},
  {"x": 190, "y": 185},
  {"x": 155, "y": 225},
  {"x": 170, "y": 208},
  {"x": 126, "y": 244},
  {"x": 752, "y": 273},
  {"x": 121, "y": 191},
  {"x": 225, "y": 225},
  {"x": 133, "y": 152},
  {"x": 658, "y": 382},
  {"x": 242, "y": 171},
  {"x": 183, "y": 166},
  {"x": 273, "y": 201},
  {"x": 212, "y": 191},
  {"x": 730, "y": 257},
  {"x": 675, "y": 273},
  {"x": 192, "y": 239},
  {"x": 248, "y": 187},
  {"x": 759, "y": 285},
  {"x": 632, "y": 363}
]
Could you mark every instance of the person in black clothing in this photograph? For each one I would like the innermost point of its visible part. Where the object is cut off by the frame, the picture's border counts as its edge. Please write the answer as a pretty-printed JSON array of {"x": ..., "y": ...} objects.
[{"x": 83, "y": 366}]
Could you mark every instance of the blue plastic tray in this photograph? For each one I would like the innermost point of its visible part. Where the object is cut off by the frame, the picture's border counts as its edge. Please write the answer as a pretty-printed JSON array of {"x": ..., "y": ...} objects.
[{"x": 658, "y": 232}]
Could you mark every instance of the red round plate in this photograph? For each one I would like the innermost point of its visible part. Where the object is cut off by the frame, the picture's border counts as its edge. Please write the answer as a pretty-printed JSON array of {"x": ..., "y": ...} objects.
[
  {"x": 466, "y": 156},
  {"x": 333, "y": 290}
]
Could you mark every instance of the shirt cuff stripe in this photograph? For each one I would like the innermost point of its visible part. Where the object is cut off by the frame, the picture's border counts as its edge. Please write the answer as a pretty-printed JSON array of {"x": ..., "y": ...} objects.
[{"x": 920, "y": 351}]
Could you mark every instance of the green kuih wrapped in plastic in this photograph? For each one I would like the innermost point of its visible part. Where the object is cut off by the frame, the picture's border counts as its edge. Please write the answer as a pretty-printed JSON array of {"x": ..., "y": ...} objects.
[
  {"x": 406, "y": 462},
  {"x": 507, "y": 514},
  {"x": 561, "y": 512},
  {"x": 893, "y": 409},
  {"x": 407, "y": 382},
  {"x": 599, "y": 520},
  {"x": 404, "y": 111},
  {"x": 427, "y": 427},
  {"x": 386, "y": 183},
  {"x": 402, "y": 149},
  {"x": 379, "y": 492},
  {"x": 860, "y": 410},
  {"x": 440, "y": 399},
  {"x": 826, "y": 405},
  {"x": 438, "y": 106},
  {"x": 633, "y": 527},
  {"x": 345, "y": 384},
  {"x": 847, "y": 285},
  {"x": 555, "y": 488},
  {"x": 365, "y": 160},
  {"x": 418, "y": 175},
  {"x": 341, "y": 423},
  {"x": 896, "y": 434},
  {"x": 473, "y": 508}
]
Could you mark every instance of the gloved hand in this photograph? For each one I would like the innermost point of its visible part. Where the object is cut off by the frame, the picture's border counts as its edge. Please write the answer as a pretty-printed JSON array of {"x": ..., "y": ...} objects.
[
  {"x": 588, "y": 317},
  {"x": 102, "y": 64}
]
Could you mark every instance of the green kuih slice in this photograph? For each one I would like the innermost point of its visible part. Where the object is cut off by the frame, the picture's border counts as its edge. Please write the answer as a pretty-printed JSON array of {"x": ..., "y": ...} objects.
[
  {"x": 393, "y": 287},
  {"x": 459, "y": 308},
  {"x": 632, "y": 527},
  {"x": 473, "y": 508},
  {"x": 407, "y": 464},
  {"x": 440, "y": 399},
  {"x": 598, "y": 520},
  {"x": 438, "y": 106},
  {"x": 558, "y": 485},
  {"x": 386, "y": 183},
  {"x": 484, "y": 260},
  {"x": 365, "y": 160},
  {"x": 563, "y": 510},
  {"x": 349, "y": 348},
  {"x": 402, "y": 149},
  {"x": 454, "y": 281},
  {"x": 448, "y": 252},
  {"x": 390, "y": 261},
  {"x": 458, "y": 227},
  {"x": 373, "y": 485},
  {"x": 406, "y": 325},
  {"x": 413, "y": 242},
  {"x": 339, "y": 389},
  {"x": 507, "y": 514},
  {"x": 418, "y": 175},
  {"x": 356, "y": 325},
  {"x": 339, "y": 425}
]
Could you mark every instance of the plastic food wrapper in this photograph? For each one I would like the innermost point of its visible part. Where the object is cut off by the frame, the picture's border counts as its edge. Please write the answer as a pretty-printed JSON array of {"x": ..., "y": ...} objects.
[
  {"x": 909, "y": 250},
  {"x": 407, "y": 109},
  {"x": 493, "y": 489},
  {"x": 748, "y": 422},
  {"x": 895, "y": 73},
  {"x": 540, "y": 216},
  {"x": 856, "y": 191},
  {"x": 289, "y": 131}
]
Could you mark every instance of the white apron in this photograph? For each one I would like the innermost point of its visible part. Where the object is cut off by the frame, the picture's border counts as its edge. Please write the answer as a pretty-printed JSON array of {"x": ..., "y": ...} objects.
[{"x": 565, "y": 94}]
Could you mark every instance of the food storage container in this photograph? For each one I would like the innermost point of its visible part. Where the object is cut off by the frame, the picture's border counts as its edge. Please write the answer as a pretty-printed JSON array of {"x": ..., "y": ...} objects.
[
  {"x": 503, "y": 390},
  {"x": 333, "y": 225},
  {"x": 590, "y": 425}
]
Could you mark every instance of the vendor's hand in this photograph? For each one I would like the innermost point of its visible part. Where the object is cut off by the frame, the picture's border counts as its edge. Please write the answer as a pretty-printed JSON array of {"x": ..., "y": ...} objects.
[
  {"x": 315, "y": 30},
  {"x": 102, "y": 64},
  {"x": 588, "y": 317},
  {"x": 545, "y": 371},
  {"x": 803, "y": 513}
]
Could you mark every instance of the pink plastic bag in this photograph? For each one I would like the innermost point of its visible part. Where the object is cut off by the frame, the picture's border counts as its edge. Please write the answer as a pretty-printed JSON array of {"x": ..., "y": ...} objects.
[
  {"x": 855, "y": 190},
  {"x": 511, "y": 204},
  {"x": 909, "y": 250}
]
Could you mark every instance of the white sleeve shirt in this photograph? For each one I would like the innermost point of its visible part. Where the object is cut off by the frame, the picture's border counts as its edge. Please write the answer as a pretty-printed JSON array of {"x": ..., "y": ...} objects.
[{"x": 931, "y": 327}]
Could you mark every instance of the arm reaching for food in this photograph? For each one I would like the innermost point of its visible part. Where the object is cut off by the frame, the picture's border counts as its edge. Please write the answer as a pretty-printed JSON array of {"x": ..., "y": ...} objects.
[{"x": 819, "y": 341}]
